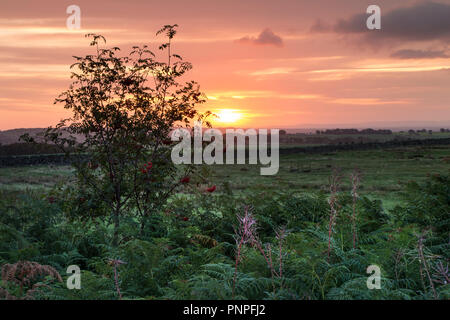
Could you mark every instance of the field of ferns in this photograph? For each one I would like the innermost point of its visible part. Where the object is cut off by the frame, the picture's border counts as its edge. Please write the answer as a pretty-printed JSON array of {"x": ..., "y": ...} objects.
[{"x": 210, "y": 244}]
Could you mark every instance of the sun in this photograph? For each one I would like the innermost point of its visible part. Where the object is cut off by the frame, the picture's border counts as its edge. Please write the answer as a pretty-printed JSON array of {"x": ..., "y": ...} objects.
[{"x": 228, "y": 115}]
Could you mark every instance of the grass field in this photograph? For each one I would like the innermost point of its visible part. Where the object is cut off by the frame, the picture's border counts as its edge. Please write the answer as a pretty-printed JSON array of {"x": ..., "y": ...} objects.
[{"x": 385, "y": 172}]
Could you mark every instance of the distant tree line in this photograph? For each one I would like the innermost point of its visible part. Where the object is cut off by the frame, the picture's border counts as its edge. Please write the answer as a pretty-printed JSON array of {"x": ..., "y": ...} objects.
[
  {"x": 354, "y": 131},
  {"x": 411, "y": 131}
]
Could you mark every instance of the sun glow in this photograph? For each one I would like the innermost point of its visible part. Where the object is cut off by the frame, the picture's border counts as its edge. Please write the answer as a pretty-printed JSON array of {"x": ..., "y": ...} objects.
[{"x": 228, "y": 115}]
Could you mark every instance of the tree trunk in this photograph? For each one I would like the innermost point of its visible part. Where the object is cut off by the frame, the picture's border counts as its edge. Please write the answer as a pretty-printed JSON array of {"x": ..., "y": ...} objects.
[
  {"x": 116, "y": 220},
  {"x": 141, "y": 233}
]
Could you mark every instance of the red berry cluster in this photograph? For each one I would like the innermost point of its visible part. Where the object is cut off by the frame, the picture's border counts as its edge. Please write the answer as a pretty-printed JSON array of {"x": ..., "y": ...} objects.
[
  {"x": 146, "y": 168},
  {"x": 185, "y": 180},
  {"x": 182, "y": 217}
]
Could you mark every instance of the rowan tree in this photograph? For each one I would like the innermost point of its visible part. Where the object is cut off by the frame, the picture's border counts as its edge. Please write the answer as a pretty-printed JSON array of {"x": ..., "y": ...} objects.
[{"x": 123, "y": 109}]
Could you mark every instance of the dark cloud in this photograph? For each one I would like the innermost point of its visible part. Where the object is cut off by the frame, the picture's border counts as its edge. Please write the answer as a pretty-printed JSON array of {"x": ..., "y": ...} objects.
[
  {"x": 422, "y": 22},
  {"x": 319, "y": 26},
  {"x": 266, "y": 37},
  {"x": 419, "y": 54}
]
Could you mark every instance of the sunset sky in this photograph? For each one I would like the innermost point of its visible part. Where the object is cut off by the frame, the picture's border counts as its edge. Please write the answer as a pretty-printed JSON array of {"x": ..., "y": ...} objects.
[{"x": 285, "y": 64}]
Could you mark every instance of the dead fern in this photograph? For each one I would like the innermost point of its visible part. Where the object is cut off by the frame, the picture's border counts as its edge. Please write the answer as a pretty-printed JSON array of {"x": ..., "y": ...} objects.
[
  {"x": 5, "y": 295},
  {"x": 205, "y": 241},
  {"x": 25, "y": 274}
]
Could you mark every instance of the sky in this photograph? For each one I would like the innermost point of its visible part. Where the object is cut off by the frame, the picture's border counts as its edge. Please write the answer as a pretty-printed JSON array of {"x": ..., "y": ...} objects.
[{"x": 262, "y": 64}]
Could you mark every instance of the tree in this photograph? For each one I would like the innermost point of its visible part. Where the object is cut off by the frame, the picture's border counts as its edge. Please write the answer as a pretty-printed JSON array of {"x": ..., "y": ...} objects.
[{"x": 123, "y": 109}]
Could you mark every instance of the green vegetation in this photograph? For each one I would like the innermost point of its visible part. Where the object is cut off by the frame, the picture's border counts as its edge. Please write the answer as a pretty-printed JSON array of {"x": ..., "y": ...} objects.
[
  {"x": 140, "y": 227},
  {"x": 188, "y": 248},
  {"x": 385, "y": 172}
]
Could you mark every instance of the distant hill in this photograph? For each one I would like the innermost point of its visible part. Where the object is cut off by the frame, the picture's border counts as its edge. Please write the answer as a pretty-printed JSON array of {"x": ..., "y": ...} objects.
[{"x": 12, "y": 136}]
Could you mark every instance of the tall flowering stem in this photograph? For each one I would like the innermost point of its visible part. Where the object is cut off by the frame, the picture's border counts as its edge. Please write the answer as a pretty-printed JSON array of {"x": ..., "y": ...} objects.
[
  {"x": 423, "y": 264},
  {"x": 116, "y": 263},
  {"x": 244, "y": 234},
  {"x": 334, "y": 182},
  {"x": 281, "y": 233},
  {"x": 356, "y": 180}
]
